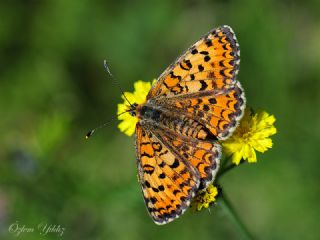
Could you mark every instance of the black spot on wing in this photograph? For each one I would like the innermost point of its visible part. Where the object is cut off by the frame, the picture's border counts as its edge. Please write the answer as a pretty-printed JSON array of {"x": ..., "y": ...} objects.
[
  {"x": 212, "y": 101},
  {"x": 194, "y": 51},
  {"x": 200, "y": 67},
  {"x": 148, "y": 185},
  {"x": 148, "y": 168},
  {"x": 204, "y": 52},
  {"x": 204, "y": 85},
  {"x": 175, "y": 164},
  {"x": 208, "y": 43},
  {"x": 206, "y": 108},
  {"x": 181, "y": 66},
  {"x": 207, "y": 58},
  {"x": 189, "y": 64},
  {"x": 162, "y": 175}
]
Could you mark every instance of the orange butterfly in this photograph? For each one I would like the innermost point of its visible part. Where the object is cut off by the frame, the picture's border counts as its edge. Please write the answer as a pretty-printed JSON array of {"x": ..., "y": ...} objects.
[{"x": 196, "y": 102}]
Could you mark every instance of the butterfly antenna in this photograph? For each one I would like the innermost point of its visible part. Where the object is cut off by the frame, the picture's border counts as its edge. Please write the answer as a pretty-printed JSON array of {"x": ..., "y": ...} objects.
[
  {"x": 106, "y": 66},
  {"x": 91, "y": 132}
]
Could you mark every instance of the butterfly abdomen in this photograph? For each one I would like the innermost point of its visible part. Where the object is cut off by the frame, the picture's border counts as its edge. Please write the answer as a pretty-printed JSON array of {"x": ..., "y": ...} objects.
[{"x": 163, "y": 118}]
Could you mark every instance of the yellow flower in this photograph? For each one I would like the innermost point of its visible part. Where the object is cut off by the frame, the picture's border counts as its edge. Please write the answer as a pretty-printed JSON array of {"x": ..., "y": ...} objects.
[
  {"x": 251, "y": 135},
  {"x": 128, "y": 122},
  {"x": 205, "y": 198}
]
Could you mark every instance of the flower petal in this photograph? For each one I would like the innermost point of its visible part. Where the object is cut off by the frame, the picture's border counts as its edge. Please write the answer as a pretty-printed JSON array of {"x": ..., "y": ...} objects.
[
  {"x": 128, "y": 122},
  {"x": 251, "y": 135},
  {"x": 205, "y": 198}
]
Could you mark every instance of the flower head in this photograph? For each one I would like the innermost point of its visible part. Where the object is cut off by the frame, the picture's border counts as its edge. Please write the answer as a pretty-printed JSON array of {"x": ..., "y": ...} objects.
[
  {"x": 251, "y": 135},
  {"x": 205, "y": 198},
  {"x": 128, "y": 122}
]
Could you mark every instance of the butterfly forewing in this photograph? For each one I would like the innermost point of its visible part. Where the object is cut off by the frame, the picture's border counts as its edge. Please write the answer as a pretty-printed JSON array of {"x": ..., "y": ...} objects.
[
  {"x": 168, "y": 183},
  {"x": 215, "y": 57}
]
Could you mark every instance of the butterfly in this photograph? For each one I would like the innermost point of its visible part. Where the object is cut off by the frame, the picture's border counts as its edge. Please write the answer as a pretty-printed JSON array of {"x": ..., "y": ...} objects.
[{"x": 195, "y": 103}]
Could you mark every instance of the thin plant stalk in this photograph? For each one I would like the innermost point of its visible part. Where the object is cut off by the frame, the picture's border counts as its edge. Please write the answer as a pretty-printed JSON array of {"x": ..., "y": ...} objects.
[{"x": 229, "y": 210}]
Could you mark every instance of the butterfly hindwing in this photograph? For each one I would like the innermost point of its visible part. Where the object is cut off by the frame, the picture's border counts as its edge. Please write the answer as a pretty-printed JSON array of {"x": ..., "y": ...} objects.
[
  {"x": 201, "y": 154},
  {"x": 168, "y": 183},
  {"x": 218, "y": 111}
]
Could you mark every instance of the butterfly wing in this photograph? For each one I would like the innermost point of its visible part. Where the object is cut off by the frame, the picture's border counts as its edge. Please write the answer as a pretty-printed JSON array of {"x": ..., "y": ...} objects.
[
  {"x": 211, "y": 63},
  {"x": 201, "y": 84},
  {"x": 219, "y": 112},
  {"x": 203, "y": 155},
  {"x": 172, "y": 168},
  {"x": 168, "y": 182}
]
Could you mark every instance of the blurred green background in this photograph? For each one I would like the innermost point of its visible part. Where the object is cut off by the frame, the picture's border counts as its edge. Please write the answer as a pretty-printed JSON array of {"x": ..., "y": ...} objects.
[{"x": 54, "y": 89}]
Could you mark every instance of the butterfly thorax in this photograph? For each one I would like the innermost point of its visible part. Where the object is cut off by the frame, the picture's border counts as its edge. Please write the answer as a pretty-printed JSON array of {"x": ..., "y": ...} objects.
[{"x": 160, "y": 117}]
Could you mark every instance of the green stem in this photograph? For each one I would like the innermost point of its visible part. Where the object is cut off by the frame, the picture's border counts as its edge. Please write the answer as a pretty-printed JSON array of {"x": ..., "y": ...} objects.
[
  {"x": 225, "y": 162},
  {"x": 226, "y": 168},
  {"x": 226, "y": 206}
]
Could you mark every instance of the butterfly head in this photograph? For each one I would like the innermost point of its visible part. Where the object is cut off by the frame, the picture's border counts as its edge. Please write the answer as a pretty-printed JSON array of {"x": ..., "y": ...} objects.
[
  {"x": 144, "y": 111},
  {"x": 133, "y": 109}
]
